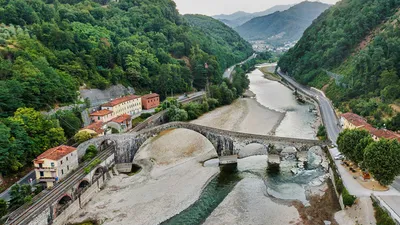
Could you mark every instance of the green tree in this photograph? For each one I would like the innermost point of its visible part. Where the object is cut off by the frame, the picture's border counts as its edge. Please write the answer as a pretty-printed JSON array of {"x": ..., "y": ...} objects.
[
  {"x": 382, "y": 159},
  {"x": 352, "y": 143},
  {"x": 176, "y": 114},
  {"x": 3, "y": 207},
  {"x": 82, "y": 136},
  {"x": 69, "y": 122},
  {"x": 44, "y": 132},
  {"x": 322, "y": 132},
  {"x": 19, "y": 195},
  {"x": 90, "y": 153}
]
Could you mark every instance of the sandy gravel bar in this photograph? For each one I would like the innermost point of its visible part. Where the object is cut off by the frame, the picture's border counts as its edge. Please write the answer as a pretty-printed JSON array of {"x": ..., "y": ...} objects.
[
  {"x": 244, "y": 115},
  {"x": 248, "y": 204}
]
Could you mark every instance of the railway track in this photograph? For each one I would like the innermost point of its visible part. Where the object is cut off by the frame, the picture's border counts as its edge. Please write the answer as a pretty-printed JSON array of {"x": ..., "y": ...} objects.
[{"x": 24, "y": 216}]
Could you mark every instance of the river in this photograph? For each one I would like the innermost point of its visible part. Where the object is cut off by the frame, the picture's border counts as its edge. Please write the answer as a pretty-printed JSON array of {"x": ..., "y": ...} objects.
[
  {"x": 227, "y": 196},
  {"x": 298, "y": 121},
  {"x": 183, "y": 183}
]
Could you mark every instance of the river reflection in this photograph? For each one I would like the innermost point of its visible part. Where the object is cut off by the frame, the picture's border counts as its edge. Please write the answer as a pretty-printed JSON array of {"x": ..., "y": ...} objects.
[{"x": 298, "y": 120}]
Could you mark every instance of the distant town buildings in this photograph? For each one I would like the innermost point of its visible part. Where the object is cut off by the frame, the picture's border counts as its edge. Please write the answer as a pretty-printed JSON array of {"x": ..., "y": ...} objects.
[
  {"x": 354, "y": 121},
  {"x": 54, "y": 164},
  {"x": 150, "y": 101}
]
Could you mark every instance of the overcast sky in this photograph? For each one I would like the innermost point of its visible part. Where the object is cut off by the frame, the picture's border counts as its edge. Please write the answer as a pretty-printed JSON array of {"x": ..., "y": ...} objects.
[{"x": 215, "y": 7}]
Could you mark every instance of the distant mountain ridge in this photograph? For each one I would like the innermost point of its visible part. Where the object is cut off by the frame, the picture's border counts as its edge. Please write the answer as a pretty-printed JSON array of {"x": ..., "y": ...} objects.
[
  {"x": 240, "y": 17},
  {"x": 287, "y": 25}
]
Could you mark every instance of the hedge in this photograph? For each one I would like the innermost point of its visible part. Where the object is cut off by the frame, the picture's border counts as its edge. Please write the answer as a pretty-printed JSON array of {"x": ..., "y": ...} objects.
[{"x": 348, "y": 199}]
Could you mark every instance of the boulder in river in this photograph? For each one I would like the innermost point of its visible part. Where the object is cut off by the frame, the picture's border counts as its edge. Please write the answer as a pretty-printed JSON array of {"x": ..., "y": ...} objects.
[
  {"x": 288, "y": 153},
  {"x": 314, "y": 157}
]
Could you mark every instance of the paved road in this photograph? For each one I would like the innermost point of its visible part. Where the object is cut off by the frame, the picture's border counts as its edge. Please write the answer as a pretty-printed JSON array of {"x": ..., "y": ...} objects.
[
  {"x": 332, "y": 126},
  {"x": 25, "y": 180},
  {"x": 353, "y": 186},
  {"x": 228, "y": 72},
  {"x": 328, "y": 114}
]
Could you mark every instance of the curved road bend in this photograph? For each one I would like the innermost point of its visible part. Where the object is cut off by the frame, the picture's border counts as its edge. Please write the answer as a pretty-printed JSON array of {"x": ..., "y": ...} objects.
[
  {"x": 228, "y": 72},
  {"x": 328, "y": 114},
  {"x": 24, "y": 216}
]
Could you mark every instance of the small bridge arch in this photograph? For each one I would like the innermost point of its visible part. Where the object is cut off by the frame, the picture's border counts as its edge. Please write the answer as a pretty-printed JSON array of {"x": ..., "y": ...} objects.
[
  {"x": 63, "y": 203},
  {"x": 82, "y": 185},
  {"x": 98, "y": 173},
  {"x": 107, "y": 143}
]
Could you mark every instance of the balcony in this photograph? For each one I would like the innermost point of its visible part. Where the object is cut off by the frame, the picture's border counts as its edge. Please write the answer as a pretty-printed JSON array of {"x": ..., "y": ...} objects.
[
  {"x": 47, "y": 179},
  {"x": 51, "y": 169}
]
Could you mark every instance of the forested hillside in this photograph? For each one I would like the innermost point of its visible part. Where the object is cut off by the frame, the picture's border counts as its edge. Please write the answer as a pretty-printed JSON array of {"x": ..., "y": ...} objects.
[
  {"x": 53, "y": 45},
  {"x": 222, "y": 41},
  {"x": 51, "y": 48},
  {"x": 353, "y": 51},
  {"x": 283, "y": 26}
]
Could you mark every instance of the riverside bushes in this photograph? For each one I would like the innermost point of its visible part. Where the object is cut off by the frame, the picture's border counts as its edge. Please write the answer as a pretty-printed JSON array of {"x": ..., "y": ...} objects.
[
  {"x": 381, "y": 216},
  {"x": 92, "y": 165},
  {"x": 348, "y": 199}
]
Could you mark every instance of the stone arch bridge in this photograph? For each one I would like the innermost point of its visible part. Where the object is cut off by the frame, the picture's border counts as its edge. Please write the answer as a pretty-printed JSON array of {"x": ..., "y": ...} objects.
[
  {"x": 68, "y": 196},
  {"x": 225, "y": 142}
]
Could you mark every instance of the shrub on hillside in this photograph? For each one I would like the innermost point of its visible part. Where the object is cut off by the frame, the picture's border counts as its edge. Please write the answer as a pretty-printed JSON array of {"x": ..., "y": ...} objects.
[{"x": 348, "y": 199}]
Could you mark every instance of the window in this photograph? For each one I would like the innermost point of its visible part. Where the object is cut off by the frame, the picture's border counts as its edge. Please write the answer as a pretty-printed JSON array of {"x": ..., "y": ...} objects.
[
  {"x": 62, "y": 172},
  {"x": 71, "y": 154},
  {"x": 98, "y": 117},
  {"x": 52, "y": 164},
  {"x": 40, "y": 165},
  {"x": 61, "y": 162},
  {"x": 41, "y": 173},
  {"x": 67, "y": 167},
  {"x": 67, "y": 158}
]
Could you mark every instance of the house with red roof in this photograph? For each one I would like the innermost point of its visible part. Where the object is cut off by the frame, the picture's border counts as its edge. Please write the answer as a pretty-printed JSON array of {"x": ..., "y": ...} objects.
[
  {"x": 55, "y": 164},
  {"x": 130, "y": 104},
  {"x": 96, "y": 129},
  {"x": 121, "y": 123},
  {"x": 354, "y": 121},
  {"x": 103, "y": 115}
]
